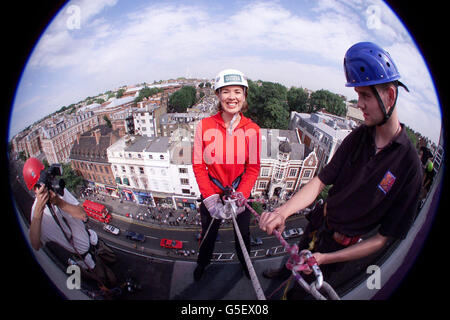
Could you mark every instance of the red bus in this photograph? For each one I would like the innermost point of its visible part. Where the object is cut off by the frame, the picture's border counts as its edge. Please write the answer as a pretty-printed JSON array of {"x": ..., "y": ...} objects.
[{"x": 97, "y": 211}]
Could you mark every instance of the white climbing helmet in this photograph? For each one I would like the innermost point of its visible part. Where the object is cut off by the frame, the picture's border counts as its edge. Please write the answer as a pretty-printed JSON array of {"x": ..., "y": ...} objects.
[{"x": 230, "y": 77}]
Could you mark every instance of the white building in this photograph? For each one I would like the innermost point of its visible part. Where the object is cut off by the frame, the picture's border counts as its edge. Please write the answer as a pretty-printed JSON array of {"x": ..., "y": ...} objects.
[
  {"x": 185, "y": 185},
  {"x": 144, "y": 172},
  {"x": 322, "y": 132},
  {"x": 145, "y": 121}
]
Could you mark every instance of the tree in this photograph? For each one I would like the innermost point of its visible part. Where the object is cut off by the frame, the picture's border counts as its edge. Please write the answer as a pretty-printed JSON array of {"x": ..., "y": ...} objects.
[
  {"x": 147, "y": 92},
  {"x": 268, "y": 104},
  {"x": 331, "y": 102},
  {"x": 182, "y": 99},
  {"x": 297, "y": 99},
  {"x": 108, "y": 122},
  {"x": 71, "y": 179},
  {"x": 119, "y": 93}
]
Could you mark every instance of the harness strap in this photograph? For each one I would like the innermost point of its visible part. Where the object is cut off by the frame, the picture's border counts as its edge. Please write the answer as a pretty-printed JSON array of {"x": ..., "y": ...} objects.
[{"x": 234, "y": 184}]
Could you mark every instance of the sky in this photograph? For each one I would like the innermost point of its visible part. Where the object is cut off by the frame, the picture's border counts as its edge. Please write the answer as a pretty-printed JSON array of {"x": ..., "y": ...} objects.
[{"x": 94, "y": 46}]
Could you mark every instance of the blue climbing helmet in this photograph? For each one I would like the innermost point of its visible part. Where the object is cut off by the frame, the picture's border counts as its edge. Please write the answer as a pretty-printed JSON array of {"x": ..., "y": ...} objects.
[{"x": 367, "y": 64}]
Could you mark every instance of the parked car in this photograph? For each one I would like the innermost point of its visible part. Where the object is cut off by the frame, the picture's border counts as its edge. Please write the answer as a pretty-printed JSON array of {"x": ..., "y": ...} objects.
[
  {"x": 292, "y": 233},
  {"x": 131, "y": 235},
  {"x": 255, "y": 241},
  {"x": 171, "y": 244},
  {"x": 111, "y": 229}
]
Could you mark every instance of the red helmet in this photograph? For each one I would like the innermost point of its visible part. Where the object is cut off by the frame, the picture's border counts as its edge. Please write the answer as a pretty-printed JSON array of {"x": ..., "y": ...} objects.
[{"x": 32, "y": 171}]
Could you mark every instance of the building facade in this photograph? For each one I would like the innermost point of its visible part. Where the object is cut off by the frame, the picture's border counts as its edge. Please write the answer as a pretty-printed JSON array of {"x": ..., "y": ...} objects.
[
  {"x": 286, "y": 164},
  {"x": 321, "y": 132},
  {"x": 58, "y": 137},
  {"x": 88, "y": 158}
]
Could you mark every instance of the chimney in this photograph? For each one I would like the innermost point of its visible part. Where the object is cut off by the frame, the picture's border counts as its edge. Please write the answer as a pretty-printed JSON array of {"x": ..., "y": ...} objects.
[{"x": 97, "y": 135}]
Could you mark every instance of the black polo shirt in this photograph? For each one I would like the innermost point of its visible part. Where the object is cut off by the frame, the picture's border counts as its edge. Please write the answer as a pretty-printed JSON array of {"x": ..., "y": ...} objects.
[{"x": 373, "y": 189}]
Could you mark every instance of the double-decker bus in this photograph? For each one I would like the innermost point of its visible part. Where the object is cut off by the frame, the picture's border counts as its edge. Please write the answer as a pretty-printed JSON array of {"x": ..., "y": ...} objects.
[{"x": 97, "y": 211}]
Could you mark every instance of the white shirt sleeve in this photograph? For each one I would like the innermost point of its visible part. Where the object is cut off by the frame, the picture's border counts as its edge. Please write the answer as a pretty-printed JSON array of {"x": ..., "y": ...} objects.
[{"x": 69, "y": 198}]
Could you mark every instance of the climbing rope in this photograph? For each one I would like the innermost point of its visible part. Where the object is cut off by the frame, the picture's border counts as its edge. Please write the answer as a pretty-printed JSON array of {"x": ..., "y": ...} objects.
[{"x": 298, "y": 262}]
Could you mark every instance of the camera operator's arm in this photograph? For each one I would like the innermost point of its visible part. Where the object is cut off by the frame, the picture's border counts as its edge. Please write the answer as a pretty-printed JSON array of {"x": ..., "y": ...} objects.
[
  {"x": 75, "y": 210},
  {"x": 42, "y": 197}
]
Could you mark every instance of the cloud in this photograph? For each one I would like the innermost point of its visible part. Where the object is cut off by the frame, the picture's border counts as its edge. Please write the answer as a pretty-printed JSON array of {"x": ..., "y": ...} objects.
[{"x": 162, "y": 40}]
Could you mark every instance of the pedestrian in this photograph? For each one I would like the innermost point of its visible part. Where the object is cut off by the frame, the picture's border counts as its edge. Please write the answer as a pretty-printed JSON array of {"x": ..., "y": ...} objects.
[
  {"x": 375, "y": 174},
  {"x": 226, "y": 156}
]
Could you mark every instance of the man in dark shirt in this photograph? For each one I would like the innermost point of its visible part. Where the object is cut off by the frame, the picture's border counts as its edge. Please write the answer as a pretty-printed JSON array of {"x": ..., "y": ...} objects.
[{"x": 375, "y": 173}]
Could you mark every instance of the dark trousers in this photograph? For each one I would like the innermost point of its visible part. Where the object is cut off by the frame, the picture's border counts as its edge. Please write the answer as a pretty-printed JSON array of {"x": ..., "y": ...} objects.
[{"x": 207, "y": 246}]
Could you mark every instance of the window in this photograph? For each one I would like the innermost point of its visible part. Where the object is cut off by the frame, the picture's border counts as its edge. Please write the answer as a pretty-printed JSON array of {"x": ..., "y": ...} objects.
[
  {"x": 293, "y": 172},
  {"x": 184, "y": 181},
  {"x": 132, "y": 169},
  {"x": 129, "y": 155},
  {"x": 289, "y": 185},
  {"x": 141, "y": 170},
  {"x": 307, "y": 174},
  {"x": 123, "y": 169},
  {"x": 150, "y": 156},
  {"x": 161, "y": 157},
  {"x": 264, "y": 172},
  {"x": 186, "y": 191},
  {"x": 262, "y": 185},
  {"x": 182, "y": 170}
]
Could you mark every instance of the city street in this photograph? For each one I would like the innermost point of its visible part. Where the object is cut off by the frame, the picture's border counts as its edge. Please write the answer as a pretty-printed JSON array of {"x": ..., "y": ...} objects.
[{"x": 162, "y": 273}]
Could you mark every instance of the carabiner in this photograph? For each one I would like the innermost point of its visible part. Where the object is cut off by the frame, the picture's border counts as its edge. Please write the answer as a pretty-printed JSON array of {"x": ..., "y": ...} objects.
[{"x": 312, "y": 263}]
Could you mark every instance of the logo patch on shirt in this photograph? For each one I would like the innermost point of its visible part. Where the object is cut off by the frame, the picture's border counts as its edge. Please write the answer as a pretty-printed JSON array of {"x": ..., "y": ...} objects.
[{"x": 387, "y": 182}]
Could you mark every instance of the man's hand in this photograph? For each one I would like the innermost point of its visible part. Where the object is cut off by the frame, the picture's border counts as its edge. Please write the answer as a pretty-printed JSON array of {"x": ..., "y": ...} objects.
[
  {"x": 42, "y": 196},
  {"x": 270, "y": 221}
]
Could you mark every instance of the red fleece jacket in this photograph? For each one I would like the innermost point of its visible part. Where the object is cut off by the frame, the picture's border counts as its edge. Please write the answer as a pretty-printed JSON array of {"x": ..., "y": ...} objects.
[{"x": 226, "y": 156}]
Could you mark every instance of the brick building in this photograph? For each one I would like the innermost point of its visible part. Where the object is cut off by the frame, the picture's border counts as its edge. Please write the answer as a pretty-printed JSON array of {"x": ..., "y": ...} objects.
[
  {"x": 59, "y": 135},
  {"x": 89, "y": 158}
]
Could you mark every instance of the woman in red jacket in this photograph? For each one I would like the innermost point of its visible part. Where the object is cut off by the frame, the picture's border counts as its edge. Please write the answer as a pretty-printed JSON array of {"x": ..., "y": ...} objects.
[{"x": 226, "y": 156}]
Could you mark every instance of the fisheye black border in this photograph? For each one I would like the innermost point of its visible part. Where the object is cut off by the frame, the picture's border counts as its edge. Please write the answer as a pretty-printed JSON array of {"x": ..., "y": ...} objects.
[{"x": 24, "y": 22}]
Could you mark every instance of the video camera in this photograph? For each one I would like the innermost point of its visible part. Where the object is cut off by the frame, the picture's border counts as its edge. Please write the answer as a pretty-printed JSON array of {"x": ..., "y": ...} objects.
[{"x": 48, "y": 177}]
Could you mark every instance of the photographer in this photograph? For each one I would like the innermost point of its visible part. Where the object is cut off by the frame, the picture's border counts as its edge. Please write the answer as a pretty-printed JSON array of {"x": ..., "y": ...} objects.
[{"x": 57, "y": 216}]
